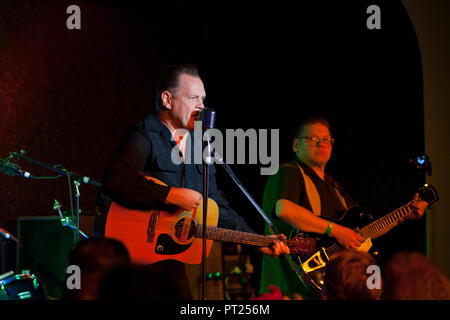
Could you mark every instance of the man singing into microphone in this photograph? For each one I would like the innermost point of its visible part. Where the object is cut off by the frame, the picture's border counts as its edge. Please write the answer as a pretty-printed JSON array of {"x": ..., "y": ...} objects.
[{"x": 145, "y": 150}]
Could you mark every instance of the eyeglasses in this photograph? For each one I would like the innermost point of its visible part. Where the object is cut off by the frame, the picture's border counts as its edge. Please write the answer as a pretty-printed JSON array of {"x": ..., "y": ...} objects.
[{"x": 315, "y": 140}]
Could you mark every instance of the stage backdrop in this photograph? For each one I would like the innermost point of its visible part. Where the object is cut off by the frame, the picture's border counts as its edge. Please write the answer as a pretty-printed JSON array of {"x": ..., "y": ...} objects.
[{"x": 67, "y": 95}]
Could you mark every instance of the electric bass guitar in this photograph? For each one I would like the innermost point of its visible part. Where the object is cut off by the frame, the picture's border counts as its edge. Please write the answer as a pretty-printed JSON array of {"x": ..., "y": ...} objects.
[
  {"x": 316, "y": 250},
  {"x": 156, "y": 235}
]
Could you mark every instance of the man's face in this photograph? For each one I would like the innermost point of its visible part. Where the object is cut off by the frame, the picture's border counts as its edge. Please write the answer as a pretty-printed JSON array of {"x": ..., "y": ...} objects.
[
  {"x": 186, "y": 103},
  {"x": 315, "y": 154}
]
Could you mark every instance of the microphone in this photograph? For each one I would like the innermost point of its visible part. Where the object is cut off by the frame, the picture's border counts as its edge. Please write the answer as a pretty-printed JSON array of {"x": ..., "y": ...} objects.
[
  {"x": 208, "y": 117},
  {"x": 7, "y": 235},
  {"x": 84, "y": 179},
  {"x": 13, "y": 169}
]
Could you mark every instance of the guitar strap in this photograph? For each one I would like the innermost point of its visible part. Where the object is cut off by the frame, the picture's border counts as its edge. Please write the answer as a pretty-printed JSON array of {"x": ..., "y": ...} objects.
[
  {"x": 311, "y": 191},
  {"x": 313, "y": 194}
]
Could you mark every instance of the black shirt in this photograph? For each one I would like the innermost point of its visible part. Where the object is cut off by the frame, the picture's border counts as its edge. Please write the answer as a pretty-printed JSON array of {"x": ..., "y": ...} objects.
[{"x": 289, "y": 184}]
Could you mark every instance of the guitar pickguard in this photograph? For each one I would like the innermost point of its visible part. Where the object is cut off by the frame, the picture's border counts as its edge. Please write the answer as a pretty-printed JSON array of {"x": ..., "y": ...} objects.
[
  {"x": 315, "y": 262},
  {"x": 313, "y": 270},
  {"x": 165, "y": 245}
]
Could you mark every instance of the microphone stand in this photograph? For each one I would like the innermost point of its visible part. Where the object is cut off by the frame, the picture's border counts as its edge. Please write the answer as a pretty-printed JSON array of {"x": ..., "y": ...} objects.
[
  {"x": 77, "y": 195},
  {"x": 230, "y": 172},
  {"x": 73, "y": 175},
  {"x": 207, "y": 118},
  {"x": 204, "y": 220},
  {"x": 66, "y": 221},
  {"x": 77, "y": 179}
]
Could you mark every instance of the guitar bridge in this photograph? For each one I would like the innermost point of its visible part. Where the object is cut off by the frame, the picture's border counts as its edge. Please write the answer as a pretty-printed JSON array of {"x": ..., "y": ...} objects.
[{"x": 152, "y": 224}]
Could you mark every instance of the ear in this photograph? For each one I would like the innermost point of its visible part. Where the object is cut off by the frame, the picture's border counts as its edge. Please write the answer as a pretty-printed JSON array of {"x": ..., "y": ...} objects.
[
  {"x": 295, "y": 145},
  {"x": 166, "y": 99}
]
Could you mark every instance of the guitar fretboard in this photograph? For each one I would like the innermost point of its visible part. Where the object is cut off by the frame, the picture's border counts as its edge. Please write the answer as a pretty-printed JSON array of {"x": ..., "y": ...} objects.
[
  {"x": 387, "y": 221},
  {"x": 220, "y": 234},
  {"x": 377, "y": 226}
]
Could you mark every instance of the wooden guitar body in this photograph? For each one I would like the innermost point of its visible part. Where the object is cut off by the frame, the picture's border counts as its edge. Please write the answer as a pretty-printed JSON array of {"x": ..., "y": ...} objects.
[
  {"x": 152, "y": 236},
  {"x": 159, "y": 235}
]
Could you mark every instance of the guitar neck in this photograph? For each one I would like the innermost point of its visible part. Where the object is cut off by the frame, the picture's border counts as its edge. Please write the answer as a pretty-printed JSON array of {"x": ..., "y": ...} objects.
[
  {"x": 220, "y": 234},
  {"x": 387, "y": 221},
  {"x": 377, "y": 226}
]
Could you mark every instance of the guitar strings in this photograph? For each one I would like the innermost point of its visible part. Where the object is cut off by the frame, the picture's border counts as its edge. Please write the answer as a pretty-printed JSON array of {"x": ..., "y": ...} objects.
[
  {"x": 387, "y": 220},
  {"x": 216, "y": 233},
  {"x": 377, "y": 225}
]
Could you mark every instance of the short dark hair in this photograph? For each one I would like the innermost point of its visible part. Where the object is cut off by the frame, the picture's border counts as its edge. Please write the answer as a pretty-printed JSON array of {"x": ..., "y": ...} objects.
[
  {"x": 312, "y": 120},
  {"x": 346, "y": 277},
  {"x": 168, "y": 80},
  {"x": 410, "y": 275},
  {"x": 99, "y": 253}
]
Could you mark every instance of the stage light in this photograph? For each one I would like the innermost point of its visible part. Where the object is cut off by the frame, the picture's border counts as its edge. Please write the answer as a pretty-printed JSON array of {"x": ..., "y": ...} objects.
[{"x": 421, "y": 163}]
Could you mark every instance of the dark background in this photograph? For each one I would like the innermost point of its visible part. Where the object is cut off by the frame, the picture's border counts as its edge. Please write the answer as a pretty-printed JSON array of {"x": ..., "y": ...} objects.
[{"x": 67, "y": 95}]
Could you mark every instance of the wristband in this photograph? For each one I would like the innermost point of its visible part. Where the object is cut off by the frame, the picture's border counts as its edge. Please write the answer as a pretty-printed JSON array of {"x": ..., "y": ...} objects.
[{"x": 328, "y": 230}]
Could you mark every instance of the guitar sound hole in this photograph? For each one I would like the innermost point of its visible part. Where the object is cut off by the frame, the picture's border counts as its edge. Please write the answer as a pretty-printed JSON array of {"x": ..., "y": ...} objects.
[{"x": 184, "y": 230}]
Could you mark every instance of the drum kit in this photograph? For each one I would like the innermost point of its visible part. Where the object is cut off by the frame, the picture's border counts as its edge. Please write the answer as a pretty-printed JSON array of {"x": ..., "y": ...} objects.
[{"x": 21, "y": 286}]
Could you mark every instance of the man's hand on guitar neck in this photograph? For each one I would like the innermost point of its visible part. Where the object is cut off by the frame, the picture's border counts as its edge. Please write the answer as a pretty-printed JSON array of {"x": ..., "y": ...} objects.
[
  {"x": 186, "y": 199},
  {"x": 420, "y": 208},
  {"x": 278, "y": 247}
]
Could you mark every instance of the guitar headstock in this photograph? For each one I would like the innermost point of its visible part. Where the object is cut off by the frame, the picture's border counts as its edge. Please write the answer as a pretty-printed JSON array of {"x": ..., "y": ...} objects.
[
  {"x": 300, "y": 245},
  {"x": 429, "y": 194}
]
